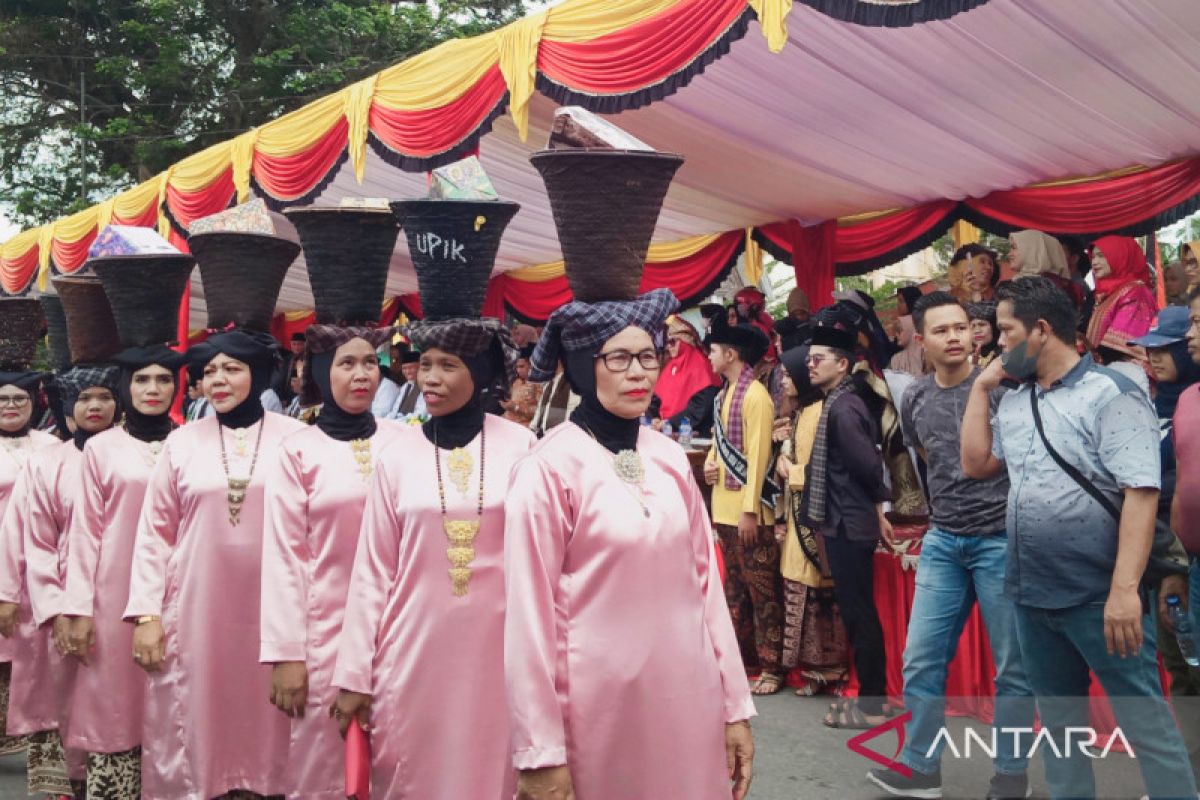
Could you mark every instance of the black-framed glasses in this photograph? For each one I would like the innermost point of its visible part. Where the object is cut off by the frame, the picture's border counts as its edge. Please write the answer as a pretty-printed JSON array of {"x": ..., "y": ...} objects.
[
  {"x": 622, "y": 360},
  {"x": 816, "y": 359}
]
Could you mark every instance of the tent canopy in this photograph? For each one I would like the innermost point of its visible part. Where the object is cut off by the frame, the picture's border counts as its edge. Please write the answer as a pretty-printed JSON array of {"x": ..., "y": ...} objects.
[{"x": 845, "y": 119}]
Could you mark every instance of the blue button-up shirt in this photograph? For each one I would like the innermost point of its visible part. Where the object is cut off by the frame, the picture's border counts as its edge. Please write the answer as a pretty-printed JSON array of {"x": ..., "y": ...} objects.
[{"x": 1062, "y": 544}]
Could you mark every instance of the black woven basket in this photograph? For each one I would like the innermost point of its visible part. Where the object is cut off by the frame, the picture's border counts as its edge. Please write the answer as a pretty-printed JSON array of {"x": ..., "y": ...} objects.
[
  {"x": 22, "y": 325},
  {"x": 453, "y": 246},
  {"x": 145, "y": 292},
  {"x": 91, "y": 329},
  {"x": 605, "y": 204},
  {"x": 348, "y": 252},
  {"x": 242, "y": 274},
  {"x": 56, "y": 332}
]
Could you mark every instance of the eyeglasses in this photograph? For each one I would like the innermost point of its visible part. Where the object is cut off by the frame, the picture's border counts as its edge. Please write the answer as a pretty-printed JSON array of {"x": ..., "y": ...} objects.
[
  {"x": 622, "y": 360},
  {"x": 14, "y": 400},
  {"x": 816, "y": 359}
]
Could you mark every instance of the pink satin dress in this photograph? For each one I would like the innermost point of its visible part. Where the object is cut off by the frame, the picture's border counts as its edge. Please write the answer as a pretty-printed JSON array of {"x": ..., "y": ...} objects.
[
  {"x": 431, "y": 659},
  {"x": 109, "y": 691},
  {"x": 620, "y": 657},
  {"x": 314, "y": 510},
  {"x": 209, "y": 726}
]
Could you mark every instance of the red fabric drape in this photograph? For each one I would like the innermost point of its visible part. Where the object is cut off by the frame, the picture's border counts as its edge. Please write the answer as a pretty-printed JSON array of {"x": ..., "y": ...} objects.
[
  {"x": 812, "y": 251},
  {"x": 1095, "y": 207},
  {"x": 870, "y": 240},
  {"x": 430, "y": 132},
  {"x": 70, "y": 256},
  {"x": 640, "y": 55},
  {"x": 148, "y": 218},
  {"x": 19, "y": 271},
  {"x": 290, "y": 177},
  {"x": 187, "y": 207}
]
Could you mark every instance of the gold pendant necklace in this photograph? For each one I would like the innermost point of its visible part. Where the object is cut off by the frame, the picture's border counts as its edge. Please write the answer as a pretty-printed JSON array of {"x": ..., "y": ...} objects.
[
  {"x": 236, "y": 493},
  {"x": 460, "y": 532},
  {"x": 155, "y": 448},
  {"x": 361, "y": 448},
  {"x": 461, "y": 466},
  {"x": 629, "y": 469}
]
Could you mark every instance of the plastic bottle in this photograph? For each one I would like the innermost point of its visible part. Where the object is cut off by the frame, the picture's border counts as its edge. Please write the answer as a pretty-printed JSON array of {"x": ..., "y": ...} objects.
[
  {"x": 666, "y": 428},
  {"x": 685, "y": 433},
  {"x": 1185, "y": 633},
  {"x": 646, "y": 420}
]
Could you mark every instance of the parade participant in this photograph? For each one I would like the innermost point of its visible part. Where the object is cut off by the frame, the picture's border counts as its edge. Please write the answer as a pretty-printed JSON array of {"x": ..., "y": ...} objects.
[
  {"x": 316, "y": 490},
  {"x": 606, "y": 521},
  {"x": 197, "y": 560},
  {"x": 107, "y": 693},
  {"x": 423, "y": 633}
]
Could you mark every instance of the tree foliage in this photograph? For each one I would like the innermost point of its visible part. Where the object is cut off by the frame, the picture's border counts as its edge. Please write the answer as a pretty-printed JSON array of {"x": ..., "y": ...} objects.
[{"x": 167, "y": 78}]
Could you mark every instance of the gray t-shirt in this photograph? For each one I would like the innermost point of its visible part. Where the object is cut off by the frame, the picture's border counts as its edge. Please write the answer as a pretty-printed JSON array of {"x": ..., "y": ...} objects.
[{"x": 931, "y": 418}]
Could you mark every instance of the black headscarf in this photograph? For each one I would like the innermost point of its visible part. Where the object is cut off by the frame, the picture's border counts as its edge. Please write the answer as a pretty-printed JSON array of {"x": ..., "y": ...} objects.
[
  {"x": 254, "y": 349},
  {"x": 148, "y": 427},
  {"x": 612, "y": 432},
  {"x": 30, "y": 382},
  {"x": 458, "y": 428},
  {"x": 335, "y": 421},
  {"x": 795, "y": 361}
]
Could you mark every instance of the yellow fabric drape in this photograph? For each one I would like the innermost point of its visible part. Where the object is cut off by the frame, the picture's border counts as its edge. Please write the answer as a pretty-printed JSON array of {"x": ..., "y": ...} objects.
[
  {"x": 296, "y": 132},
  {"x": 584, "y": 20},
  {"x": 517, "y": 47},
  {"x": 45, "y": 240},
  {"x": 963, "y": 232},
  {"x": 438, "y": 76},
  {"x": 658, "y": 254},
  {"x": 772, "y": 18},
  {"x": 163, "y": 180},
  {"x": 132, "y": 203},
  {"x": 754, "y": 259},
  {"x": 357, "y": 108},
  {"x": 104, "y": 214},
  {"x": 199, "y": 170},
  {"x": 241, "y": 155}
]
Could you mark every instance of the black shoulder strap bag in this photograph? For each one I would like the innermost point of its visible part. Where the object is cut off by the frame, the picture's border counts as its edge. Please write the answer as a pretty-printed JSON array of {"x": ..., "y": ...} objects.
[{"x": 1167, "y": 556}]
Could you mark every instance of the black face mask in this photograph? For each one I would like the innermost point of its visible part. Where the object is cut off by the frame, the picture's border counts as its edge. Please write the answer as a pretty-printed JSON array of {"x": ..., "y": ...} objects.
[{"x": 335, "y": 421}]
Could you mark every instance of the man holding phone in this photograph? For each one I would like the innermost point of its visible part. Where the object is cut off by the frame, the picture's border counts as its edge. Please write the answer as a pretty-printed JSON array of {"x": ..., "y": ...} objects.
[{"x": 1073, "y": 571}]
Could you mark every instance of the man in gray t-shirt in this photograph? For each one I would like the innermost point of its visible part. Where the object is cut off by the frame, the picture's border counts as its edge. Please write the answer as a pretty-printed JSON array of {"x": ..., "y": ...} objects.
[{"x": 963, "y": 557}]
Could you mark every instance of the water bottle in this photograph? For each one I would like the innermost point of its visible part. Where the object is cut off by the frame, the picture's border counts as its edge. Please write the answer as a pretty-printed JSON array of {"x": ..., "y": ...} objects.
[
  {"x": 645, "y": 420},
  {"x": 666, "y": 428},
  {"x": 685, "y": 433},
  {"x": 1185, "y": 634}
]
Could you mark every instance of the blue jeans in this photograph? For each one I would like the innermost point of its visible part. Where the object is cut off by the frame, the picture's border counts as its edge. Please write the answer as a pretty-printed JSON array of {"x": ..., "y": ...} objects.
[
  {"x": 1063, "y": 645},
  {"x": 954, "y": 572}
]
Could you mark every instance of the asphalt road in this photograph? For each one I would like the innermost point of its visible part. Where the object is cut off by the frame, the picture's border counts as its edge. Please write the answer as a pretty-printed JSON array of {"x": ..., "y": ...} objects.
[{"x": 799, "y": 759}]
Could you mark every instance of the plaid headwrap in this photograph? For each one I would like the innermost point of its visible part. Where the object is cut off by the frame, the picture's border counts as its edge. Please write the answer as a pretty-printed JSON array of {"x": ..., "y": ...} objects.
[
  {"x": 328, "y": 338},
  {"x": 74, "y": 381},
  {"x": 467, "y": 337},
  {"x": 985, "y": 310},
  {"x": 585, "y": 326}
]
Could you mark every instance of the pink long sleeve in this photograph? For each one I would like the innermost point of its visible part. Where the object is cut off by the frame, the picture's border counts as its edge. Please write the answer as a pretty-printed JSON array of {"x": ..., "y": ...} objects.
[
  {"x": 157, "y": 530},
  {"x": 736, "y": 690},
  {"x": 535, "y": 534},
  {"x": 285, "y": 596},
  {"x": 375, "y": 567},
  {"x": 84, "y": 532},
  {"x": 40, "y": 539},
  {"x": 12, "y": 549}
]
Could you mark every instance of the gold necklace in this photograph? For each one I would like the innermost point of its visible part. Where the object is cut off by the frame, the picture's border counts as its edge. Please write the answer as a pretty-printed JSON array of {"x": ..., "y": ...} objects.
[
  {"x": 236, "y": 493},
  {"x": 361, "y": 448},
  {"x": 629, "y": 469},
  {"x": 460, "y": 532}
]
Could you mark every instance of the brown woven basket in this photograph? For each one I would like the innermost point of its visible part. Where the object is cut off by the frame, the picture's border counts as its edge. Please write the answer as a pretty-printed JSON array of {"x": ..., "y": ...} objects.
[
  {"x": 145, "y": 292},
  {"x": 242, "y": 274},
  {"x": 605, "y": 204},
  {"x": 91, "y": 329},
  {"x": 56, "y": 332},
  {"x": 22, "y": 325},
  {"x": 348, "y": 252},
  {"x": 453, "y": 246}
]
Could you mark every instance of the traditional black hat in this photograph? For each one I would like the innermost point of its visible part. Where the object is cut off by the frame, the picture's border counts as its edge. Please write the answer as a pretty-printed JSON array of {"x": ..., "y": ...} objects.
[
  {"x": 453, "y": 245},
  {"x": 830, "y": 336},
  {"x": 91, "y": 329},
  {"x": 145, "y": 292},
  {"x": 242, "y": 274},
  {"x": 410, "y": 357},
  {"x": 56, "y": 332},
  {"x": 348, "y": 252},
  {"x": 22, "y": 325},
  {"x": 748, "y": 338}
]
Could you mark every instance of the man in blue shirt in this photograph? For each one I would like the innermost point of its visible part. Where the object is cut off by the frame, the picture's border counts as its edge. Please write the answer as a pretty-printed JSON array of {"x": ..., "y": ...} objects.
[{"x": 1073, "y": 572}]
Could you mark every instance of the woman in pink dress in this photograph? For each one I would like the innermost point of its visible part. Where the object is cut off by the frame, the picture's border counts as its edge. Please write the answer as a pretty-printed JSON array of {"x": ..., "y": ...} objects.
[
  {"x": 423, "y": 636},
  {"x": 1125, "y": 306},
  {"x": 623, "y": 672},
  {"x": 107, "y": 694}
]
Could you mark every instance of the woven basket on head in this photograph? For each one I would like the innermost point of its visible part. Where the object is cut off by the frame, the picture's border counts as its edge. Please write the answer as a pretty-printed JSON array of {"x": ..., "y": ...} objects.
[
  {"x": 91, "y": 329},
  {"x": 22, "y": 326},
  {"x": 453, "y": 245},
  {"x": 605, "y": 205},
  {"x": 145, "y": 292},
  {"x": 56, "y": 332},
  {"x": 348, "y": 252},
  {"x": 242, "y": 274}
]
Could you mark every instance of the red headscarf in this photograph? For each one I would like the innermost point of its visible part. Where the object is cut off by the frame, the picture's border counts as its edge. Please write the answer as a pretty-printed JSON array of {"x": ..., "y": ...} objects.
[
  {"x": 683, "y": 376},
  {"x": 1127, "y": 261}
]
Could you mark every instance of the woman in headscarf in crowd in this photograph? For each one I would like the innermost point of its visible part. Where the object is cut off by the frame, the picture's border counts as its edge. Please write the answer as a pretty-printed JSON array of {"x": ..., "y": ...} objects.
[
  {"x": 108, "y": 691},
  {"x": 420, "y": 643},
  {"x": 1125, "y": 306},
  {"x": 197, "y": 561},
  {"x": 911, "y": 358},
  {"x": 21, "y": 326},
  {"x": 606, "y": 521},
  {"x": 1036, "y": 253},
  {"x": 982, "y": 271},
  {"x": 688, "y": 386},
  {"x": 525, "y": 394},
  {"x": 1175, "y": 284},
  {"x": 814, "y": 639},
  {"x": 858, "y": 309},
  {"x": 1189, "y": 256},
  {"x": 985, "y": 334}
]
